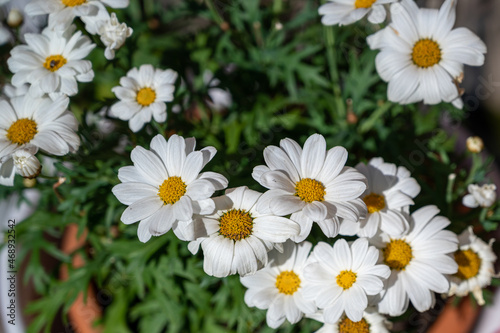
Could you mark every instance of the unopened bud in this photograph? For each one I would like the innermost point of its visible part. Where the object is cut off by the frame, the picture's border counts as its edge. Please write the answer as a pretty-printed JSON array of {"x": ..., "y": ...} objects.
[
  {"x": 27, "y": 165},
  {"x": 15, "y": 18},
  {"x": 474, "y": 144}
]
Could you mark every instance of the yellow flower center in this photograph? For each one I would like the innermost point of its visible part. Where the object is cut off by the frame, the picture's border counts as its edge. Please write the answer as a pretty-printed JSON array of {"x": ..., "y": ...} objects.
[
  {"x": 468, "y": 262},
  {"x": 310, "y": 190},
  {"x": 346, "y": 325},
  {"x": 364, "y": 3},
  {"x": 374, "y": 202},
  {"x": 171, "y": 190},
  {"x": 287, "y": 282},
  {"x": 73, "y": 3},
  {"x": 22, "y": 131},
  {"x": 54, "y": 62},
  {"x": 236, "y": 224},
  {"x": 397, "y": 254},
  {"x": 346, "y": 279},
  {"x": 146, "y": 96},
  {"x": 426, "y": 53}
]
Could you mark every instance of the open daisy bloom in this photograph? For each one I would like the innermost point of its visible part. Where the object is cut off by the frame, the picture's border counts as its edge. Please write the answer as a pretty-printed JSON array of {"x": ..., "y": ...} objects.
[
  {"x": 419, "y": 260},
  {"x": 475, "y": 260},
  {"x": 143, "y": 94},
  {"x": 311, "y": 184},
  {"x": 389, "y": 193},
  {"x": 28, "y": 122},
  {"x": 62, "y": 12},
  {"x": 278, "y": 286},
  {"x": 237, "y": 237},
  {"x": 339, "y": 278},
  {"x": 344, "y": 12},
  {"x": 372, "y": 322},
  {"x": 421, "y": 56},
  {"x": 164, "y": 187},
  {"x": 52, "y": 62}
]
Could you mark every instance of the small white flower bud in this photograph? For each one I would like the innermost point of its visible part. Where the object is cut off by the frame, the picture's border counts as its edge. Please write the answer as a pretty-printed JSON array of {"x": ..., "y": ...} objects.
[
  {"x": 15, "y": 18},
  {"x": 484, "y": 196},
  {"x": 26, "y": 164},
  {"x": 113, "y": 35},
  {"x": 474, "y": 144}
]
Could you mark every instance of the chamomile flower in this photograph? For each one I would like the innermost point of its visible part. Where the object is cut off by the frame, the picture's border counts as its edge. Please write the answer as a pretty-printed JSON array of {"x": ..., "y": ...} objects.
[
  {"x": 480, "y": 196},
  {"x": 237, "y": 237},
  {"x": 419, "y": 260},
  {"x": 340, "y": 278},
  {"x": 372, "y": 322},
  {"x": 475, "y": 260},
  {"x": 164, "y": 187},
  {"x": 143, "y": 94},
  {"x": 390, "y": 191},
  {"x": 62, "y": 12},
  {"x": 421, "y": 57},
  {"x": 311, "y": 184},
  {"x": 344, "y": 12},
  {"x": 27, "y": 122},
  {"x": 278, "y": 286},
  {"x": 52, "y": 62}
]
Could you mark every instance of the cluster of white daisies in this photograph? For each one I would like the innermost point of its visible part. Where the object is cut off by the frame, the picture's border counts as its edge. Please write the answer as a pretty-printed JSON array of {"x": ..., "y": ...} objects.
[
  {"x": 421, "y": 56},
  {"x": 398, "y": 257},
  {"x": 46, "y": 70}
]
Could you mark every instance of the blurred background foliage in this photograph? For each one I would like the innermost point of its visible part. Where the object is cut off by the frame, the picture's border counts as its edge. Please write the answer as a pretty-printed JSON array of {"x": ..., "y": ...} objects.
[{"x": 289, "y": 76}]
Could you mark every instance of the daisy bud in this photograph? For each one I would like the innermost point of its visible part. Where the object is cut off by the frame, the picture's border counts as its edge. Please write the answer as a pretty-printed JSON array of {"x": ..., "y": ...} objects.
[
  {"x": 484, "y": 196},
  {"x": 474, "y": 144},
  {"x": 113, "y": 35},
  {"x": 15, "y": 18},
  {"x": 27, "y": 165}
]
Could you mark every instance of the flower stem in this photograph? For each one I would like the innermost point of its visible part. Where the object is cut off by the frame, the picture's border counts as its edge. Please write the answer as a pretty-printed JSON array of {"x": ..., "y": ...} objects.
[
  {"x": 215, "y": 13},
  {"x": 334, "y": 75}
]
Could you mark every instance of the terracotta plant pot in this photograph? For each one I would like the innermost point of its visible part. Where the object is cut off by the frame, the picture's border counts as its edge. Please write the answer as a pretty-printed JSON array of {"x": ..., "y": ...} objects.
[{"x": 83, "y": 312}]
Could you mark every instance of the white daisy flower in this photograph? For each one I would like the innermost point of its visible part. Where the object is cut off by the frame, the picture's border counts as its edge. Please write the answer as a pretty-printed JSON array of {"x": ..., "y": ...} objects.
[
  {"x": 372, "y": 322},
  {"x": 164, "y": 187},
  {"x": 27, "y": 122},
  {"x": 480, "y": 196},
  {"x": 390, "y": 191},
  {"x": 52, "y": 62},
  {"x": 340, "y": 278},
  {"x": 278, "y": 286},
  {"x": 237, "y": 237},
  {"x": 62, "y": 12},
  {"x": 344, "y": 12},
  {"x": 143, "y": 94},
  {"x": 419, "y": 260},
  {"x": 421, "y": 56},
  {"x": 12, "y": 91},
  {"x": 312, "y": 185},
  {"x": 475, "y": 260}
]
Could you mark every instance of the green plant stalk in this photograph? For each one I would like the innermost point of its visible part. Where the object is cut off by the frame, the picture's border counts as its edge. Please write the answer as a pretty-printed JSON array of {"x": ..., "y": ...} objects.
[
  {"x": 476, "y": 163},
  {"x": 370, "y": 122},
  {"x": 277, "y": 7},
  {"x": 217, "y": 17},
  {"x": 334, "y": 75}
]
